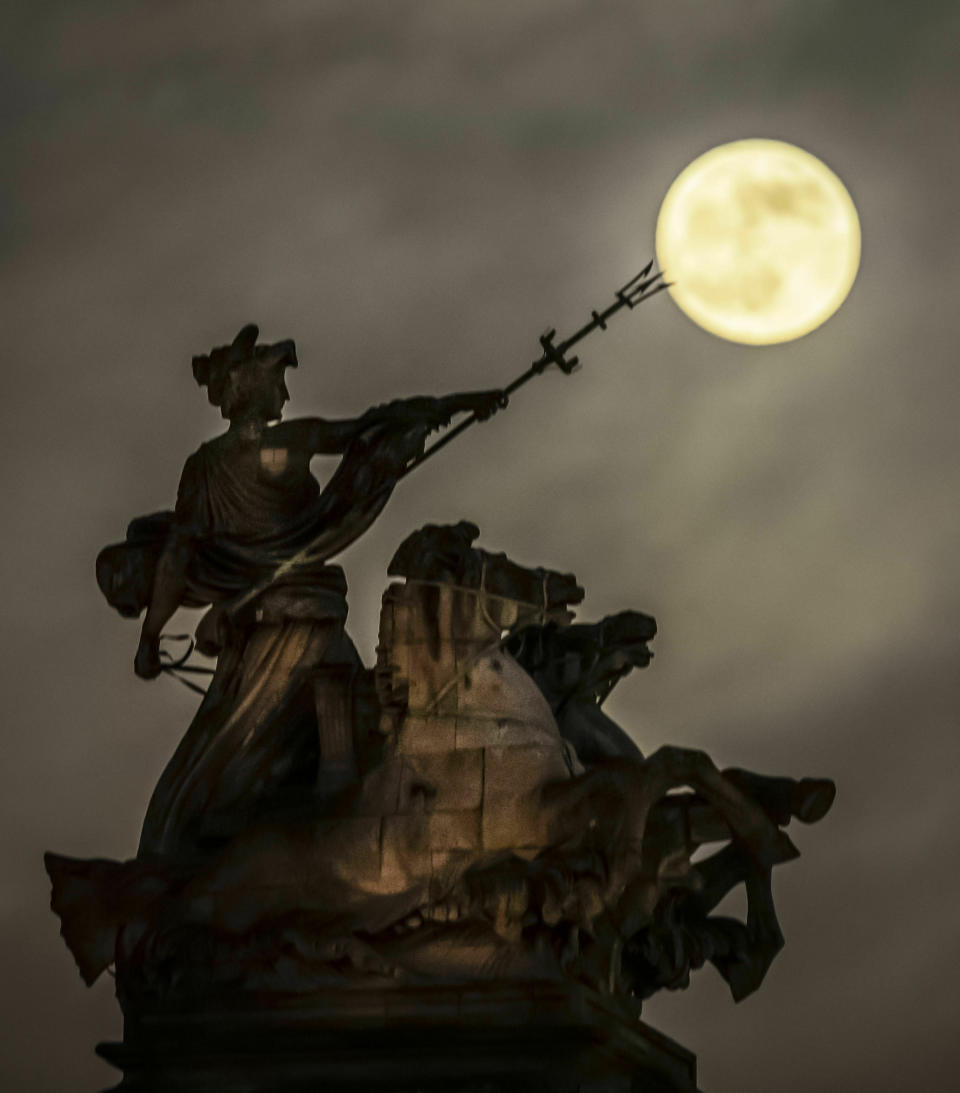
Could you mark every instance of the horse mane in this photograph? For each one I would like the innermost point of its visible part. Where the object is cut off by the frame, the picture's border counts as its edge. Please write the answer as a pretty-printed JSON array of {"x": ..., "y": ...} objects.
[{"x": 444, "y": 554}]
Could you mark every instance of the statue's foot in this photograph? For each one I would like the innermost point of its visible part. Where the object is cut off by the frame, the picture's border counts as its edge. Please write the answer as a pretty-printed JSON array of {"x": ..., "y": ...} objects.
[{"x": 811, "y": 798}]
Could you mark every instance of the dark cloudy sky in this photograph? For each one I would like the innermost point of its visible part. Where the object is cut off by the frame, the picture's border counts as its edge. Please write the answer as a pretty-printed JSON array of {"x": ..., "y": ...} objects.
[{"x": 414, "y": 191}]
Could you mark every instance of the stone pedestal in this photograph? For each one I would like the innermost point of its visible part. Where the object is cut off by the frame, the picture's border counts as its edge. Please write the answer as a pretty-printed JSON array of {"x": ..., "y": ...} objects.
[{"x": 554, "y": 1038}]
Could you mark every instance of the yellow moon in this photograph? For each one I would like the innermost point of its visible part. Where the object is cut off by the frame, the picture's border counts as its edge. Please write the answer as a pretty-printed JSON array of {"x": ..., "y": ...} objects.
[{"x": 761, "y": 241}]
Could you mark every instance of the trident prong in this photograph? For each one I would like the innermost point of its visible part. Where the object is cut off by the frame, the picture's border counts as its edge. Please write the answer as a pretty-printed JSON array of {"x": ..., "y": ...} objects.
[
  {"x": 639, "y": 277},
  {"x": 632, "y": 293}
]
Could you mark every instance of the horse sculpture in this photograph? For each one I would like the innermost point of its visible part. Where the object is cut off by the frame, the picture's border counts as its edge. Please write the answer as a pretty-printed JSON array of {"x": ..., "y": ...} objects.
[{"x": 457, "y": 832}]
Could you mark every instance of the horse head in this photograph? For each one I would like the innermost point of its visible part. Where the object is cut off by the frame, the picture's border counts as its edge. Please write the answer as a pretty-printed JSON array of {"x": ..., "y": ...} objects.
[{"x": 435, "y": 552}]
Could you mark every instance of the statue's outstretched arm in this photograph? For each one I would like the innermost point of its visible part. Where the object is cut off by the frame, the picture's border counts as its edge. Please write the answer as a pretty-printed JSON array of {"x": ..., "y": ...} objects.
[
  {"x": 438, "y": 411},
  {"x": 318, "y": 436},
  {"x": 314, "y": 435}
]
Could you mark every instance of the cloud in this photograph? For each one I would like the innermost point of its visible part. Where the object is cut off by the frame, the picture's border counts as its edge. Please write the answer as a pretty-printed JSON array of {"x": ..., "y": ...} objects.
[{"x": 414, "y": 191}]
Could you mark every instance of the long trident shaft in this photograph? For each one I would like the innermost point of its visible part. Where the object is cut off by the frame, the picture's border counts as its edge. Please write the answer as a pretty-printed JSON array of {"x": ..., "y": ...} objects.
[{"x": 634, "y": 292}]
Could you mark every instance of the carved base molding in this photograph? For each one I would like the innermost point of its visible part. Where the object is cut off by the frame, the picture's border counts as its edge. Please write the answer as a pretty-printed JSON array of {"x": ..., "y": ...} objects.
[{"x": 554, "y": 1038}]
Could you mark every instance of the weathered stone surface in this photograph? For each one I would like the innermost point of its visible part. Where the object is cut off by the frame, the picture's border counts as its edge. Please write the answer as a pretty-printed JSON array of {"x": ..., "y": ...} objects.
[
  {"x": 362, "y": 834},
  {"x": 405, "y": 847},
  {"x": 455, "y": 830},
  {"x": 496, "y": 686},
  {"x": 512, "y": 772},
  {"x": 500, "y": 731},
  {"x": 442, "y": 780},
  {"x": 427, "y": 734},
  {"x": 381, "y": 788},
  {"x": 512, "y": 778}
]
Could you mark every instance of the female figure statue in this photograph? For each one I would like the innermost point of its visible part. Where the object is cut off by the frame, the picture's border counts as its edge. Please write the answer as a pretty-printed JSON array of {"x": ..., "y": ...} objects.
[{"x": 247, "y": 506}]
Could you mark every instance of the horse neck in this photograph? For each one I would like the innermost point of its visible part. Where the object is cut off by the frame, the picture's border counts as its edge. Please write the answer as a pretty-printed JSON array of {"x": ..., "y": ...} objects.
[{"x": 472, "y": 617}]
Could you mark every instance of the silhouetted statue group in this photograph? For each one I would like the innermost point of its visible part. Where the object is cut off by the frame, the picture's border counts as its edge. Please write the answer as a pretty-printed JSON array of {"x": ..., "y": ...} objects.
[{"x": 461, "y": 811}]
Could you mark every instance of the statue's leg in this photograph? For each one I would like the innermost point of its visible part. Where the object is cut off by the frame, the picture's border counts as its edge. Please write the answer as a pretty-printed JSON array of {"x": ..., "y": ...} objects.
[
  {"x": 745, "y": 967},
  {"x": 623, "y": 802},
  {"x": 685, "y": 819},
  {"x": 742, "y": 953},
  {"x": 670, "y": 767},
  {"x": 720, "y": 874},
  {"x": 808, "y": 799},
  {"x": 156, "y": 837},
  {"x": 248, "y": 739},
  {"x": 594, "y": 735},
  {"x": 736, "y": 806},
  {"x": 689, "y": 818}
]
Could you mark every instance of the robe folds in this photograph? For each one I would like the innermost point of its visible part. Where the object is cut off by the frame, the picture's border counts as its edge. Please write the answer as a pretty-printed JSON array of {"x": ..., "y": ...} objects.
[{"x": 252, "y": 742}]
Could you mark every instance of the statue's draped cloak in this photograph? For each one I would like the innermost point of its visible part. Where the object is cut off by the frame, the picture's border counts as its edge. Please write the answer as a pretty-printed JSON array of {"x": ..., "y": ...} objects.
[{"x": 253, "y": 737}]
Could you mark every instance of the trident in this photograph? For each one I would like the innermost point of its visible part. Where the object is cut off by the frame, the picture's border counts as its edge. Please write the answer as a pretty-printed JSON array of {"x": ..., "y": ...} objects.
[{"x": 634, "y": 292}]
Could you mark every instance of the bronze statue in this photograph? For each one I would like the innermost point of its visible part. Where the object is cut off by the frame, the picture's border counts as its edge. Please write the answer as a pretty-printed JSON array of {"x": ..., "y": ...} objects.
[
  {"x": 461, "y": 812},
  {"x": 246, "y": 504}
]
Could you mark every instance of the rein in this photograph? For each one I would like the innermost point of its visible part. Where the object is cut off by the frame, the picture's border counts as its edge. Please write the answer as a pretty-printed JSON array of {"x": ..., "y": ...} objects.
[
  {"x": 503, "y": 634},
  {"x": 177, "y": 666}
]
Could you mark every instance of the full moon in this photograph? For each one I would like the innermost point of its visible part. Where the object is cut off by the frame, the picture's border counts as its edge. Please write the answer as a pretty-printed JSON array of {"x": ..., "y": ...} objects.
[{"x": 761, "y": 241}]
